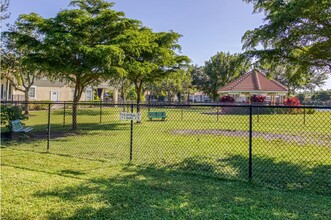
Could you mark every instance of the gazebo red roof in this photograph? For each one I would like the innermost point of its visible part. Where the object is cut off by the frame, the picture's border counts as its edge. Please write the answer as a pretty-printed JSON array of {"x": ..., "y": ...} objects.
[{"x": 254, "y": 81}]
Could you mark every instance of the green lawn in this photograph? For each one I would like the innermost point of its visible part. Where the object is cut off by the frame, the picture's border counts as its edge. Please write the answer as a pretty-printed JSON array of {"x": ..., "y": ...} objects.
[
  {"x": 47, "y": 186},
  {"x": 180, "y": 169}
]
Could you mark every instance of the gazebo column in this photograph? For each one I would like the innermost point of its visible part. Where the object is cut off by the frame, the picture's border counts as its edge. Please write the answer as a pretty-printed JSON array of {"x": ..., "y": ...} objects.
[{"x": 115, "y": 96}]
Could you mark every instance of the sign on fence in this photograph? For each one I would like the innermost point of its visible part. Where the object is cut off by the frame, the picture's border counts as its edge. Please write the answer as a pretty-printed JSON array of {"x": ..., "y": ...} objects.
[{"x": 130, "y": 116}]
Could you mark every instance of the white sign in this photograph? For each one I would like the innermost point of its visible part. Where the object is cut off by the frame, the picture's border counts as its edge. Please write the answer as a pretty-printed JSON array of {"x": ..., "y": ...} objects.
[{"x": 129, "y": 116}]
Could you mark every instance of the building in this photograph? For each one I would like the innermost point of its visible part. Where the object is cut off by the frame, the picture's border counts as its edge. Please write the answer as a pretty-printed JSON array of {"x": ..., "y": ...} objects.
[
  {"x": 199, "y": 97},
  {"x": 255, "y": 83},
  {"x": 45, "y": 90}
]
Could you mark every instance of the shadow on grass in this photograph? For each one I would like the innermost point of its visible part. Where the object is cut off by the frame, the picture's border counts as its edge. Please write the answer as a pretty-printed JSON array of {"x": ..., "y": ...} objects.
[
  {"x": 265, "y": 171},
  {"x": 150, "y": 192},
  {"x": 39, "y": 132}
]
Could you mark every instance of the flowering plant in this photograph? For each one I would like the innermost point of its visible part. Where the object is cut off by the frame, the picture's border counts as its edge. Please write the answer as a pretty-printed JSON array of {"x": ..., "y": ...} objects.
[
  {"x": 257, "y": 98},
  {"x": 227, "y": 98}
]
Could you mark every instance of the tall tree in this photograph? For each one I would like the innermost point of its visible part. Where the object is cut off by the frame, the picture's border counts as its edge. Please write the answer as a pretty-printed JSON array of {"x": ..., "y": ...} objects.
[
  {"x": 221, "y": 69},
  {"x": 150, "y": 56},
  {"x": 294, "y": 31},
  {"x": 78, "y": 45},
  {"x": 21, "y": 75}
]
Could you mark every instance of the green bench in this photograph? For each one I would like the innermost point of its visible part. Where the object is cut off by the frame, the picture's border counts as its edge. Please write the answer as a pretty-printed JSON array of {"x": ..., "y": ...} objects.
[
  {"x": 161, "y": 115},
  {"x": 17, "y": 127}
]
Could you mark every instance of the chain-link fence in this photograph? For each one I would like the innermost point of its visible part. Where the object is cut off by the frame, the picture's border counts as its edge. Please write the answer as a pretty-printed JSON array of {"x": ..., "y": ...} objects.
[{"x": 279, "y": 146}]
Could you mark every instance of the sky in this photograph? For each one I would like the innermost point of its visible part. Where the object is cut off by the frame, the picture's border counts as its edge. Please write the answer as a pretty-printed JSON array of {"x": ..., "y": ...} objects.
[{"x": 206, "y": 26}]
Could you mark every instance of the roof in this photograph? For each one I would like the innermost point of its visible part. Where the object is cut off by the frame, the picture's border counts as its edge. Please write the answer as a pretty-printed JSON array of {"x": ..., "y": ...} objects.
[
  {"x": 199, "y": 93},
  {"x": 254, "y": 81}
]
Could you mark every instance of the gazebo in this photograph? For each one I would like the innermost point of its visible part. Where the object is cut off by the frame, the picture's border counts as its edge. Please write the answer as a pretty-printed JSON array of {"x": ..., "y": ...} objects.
[{"x": 254, "y": 83}]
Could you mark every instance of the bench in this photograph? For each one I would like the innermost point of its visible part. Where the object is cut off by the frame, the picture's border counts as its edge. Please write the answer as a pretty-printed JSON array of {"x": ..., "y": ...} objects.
[
  {"x": 161, "y": 115},
  {"x": 16, "y": 126}
]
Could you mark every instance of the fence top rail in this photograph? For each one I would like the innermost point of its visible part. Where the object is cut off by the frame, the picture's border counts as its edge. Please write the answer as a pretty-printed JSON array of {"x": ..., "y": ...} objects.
[{"x": 236, "y": 105}]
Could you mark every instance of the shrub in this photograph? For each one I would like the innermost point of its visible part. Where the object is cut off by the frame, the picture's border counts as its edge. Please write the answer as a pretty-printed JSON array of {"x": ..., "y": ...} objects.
[
  {"x": 301, "y": 97},
  {"x": 257, "y": 98},
  {"x": 293, "y": 102},
  {"x": 9, "y": 113},
  {"x": 227, "y": 98},
  {"x": 43, "y": 105}
]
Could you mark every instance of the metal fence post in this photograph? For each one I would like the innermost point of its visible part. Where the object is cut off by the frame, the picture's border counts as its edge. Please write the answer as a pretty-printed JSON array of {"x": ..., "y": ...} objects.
[
  {"x": 49, "y": 126},
  {"x": 250, "y": 142},
  {"x": 131, "y": 134},
  {"x": 304, "y": 116},
  {"x": 64, "y": 113},
  {"x": 217, "y": 112},
  {"x": 182, "y": 114}
]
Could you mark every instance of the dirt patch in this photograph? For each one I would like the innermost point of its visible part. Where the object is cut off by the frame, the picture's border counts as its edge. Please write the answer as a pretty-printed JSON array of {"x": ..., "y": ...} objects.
[{"x": 299, "y": 139}]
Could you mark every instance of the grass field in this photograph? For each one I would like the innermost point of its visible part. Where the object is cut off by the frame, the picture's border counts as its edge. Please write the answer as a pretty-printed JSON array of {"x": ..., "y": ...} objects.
[{"x": 161, "y": 181}]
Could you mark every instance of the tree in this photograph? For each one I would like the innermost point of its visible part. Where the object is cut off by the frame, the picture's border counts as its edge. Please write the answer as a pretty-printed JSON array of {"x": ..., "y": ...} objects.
[
  {"x": 150, "y": 56},
  {"x": 295, "y": 32},
  {"x": 174, "y": 84},
  {"x": 78, "y": 45},
  {"x": 295, "y": 77},
  {"x": 301, "y": 97},
  {"x": 21, "y": 75},
  {"x": 199, "y": 78},
  {"x": 221, "y": 69},
  {"x": 316, "y": 80},
  {"x": 121, "y": 83},
  {"x": 3, "y": 9},
  {"x": 322, "y": 95}
]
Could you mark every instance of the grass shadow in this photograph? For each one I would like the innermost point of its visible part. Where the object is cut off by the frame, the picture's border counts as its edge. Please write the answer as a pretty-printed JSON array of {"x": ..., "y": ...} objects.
[
  {"x": 265, "y": 171},
  {"x": 40, "y": 132},
  {"x": 150, "y": 192}
]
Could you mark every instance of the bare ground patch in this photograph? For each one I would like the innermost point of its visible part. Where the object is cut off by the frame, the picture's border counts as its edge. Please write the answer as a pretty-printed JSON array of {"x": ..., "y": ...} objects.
[{"x": 302, "y": 139}]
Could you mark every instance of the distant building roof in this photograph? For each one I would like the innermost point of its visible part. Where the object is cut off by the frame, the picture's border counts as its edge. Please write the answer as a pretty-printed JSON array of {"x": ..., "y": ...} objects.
[
  {"x": 199, "y": 93},
  {"x": 254, "y": 81}
]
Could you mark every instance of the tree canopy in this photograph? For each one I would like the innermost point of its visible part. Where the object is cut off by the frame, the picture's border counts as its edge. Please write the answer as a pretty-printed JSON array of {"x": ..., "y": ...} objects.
[
  {"x": 294, "y": 31},
  {"x": 78, "y": 45},
  {"x": 221, "y": 69},
  {"x": 295, "y": 77},
  {"x": 19, "y": 73},
  {"x": 150, "y": 56}
]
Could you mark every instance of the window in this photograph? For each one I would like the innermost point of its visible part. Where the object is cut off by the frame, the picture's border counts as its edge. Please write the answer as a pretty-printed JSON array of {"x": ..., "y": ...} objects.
[
  {"x": 88, "y": 95},
  {"x": 32, "y": 92}
]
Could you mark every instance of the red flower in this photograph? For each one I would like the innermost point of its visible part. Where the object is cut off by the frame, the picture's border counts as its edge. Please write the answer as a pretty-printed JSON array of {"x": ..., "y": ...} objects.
[
  {"x": 292, "y": 102},
  {"x": 257, "y": 98},
  {"x": 227, "y": 98}
]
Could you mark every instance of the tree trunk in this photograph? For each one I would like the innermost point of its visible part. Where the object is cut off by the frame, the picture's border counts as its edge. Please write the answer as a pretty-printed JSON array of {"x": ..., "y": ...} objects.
[
  {"x": 138, "y": 100},
  {"x": 138, "y": 92},
  {"x": 77, "y": 94},
  {"x": 179, "y": 95},
  {"x": 26, "y": 99}
]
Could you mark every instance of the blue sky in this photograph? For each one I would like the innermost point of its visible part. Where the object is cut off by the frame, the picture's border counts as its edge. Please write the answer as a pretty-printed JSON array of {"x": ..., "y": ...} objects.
[{"x": 207, "y": 26}]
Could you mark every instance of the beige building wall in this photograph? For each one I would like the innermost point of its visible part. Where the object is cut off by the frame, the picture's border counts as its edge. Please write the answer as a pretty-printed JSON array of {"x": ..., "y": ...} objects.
[{"x": 63, "y": 94}]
